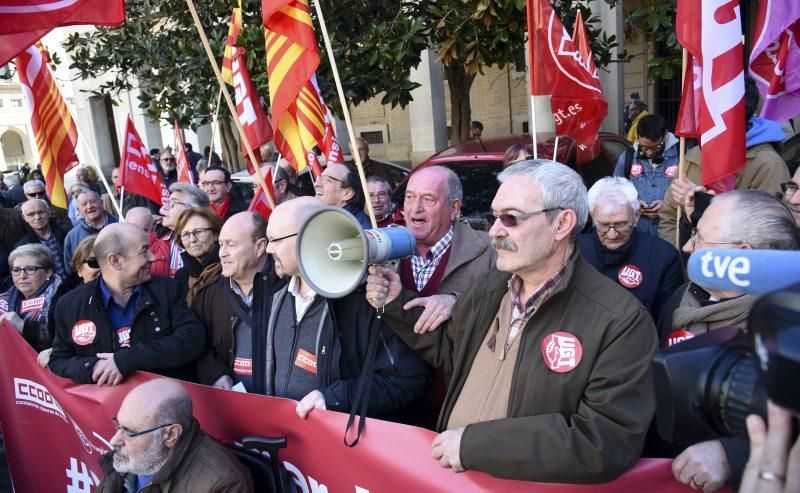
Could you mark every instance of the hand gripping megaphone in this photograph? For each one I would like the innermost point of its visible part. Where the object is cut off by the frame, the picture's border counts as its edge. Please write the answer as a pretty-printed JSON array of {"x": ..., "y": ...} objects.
[{"x": 334, "y": 251}]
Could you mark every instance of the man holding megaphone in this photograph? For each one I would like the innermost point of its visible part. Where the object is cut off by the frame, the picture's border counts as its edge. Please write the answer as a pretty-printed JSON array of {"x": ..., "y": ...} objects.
[{"x": 550, "y": 360}]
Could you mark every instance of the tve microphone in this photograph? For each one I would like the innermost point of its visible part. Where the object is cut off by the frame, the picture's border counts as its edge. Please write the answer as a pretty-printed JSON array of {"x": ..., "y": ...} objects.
[{"x": 744, "y": 271}]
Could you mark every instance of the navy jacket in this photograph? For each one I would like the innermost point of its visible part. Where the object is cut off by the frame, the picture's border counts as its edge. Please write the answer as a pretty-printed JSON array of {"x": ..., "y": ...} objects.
[{"x": 649, "y": 267}]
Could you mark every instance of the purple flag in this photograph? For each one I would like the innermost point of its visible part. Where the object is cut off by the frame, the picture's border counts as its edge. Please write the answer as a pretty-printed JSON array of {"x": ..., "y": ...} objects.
[{"x": 775, "y": 59}]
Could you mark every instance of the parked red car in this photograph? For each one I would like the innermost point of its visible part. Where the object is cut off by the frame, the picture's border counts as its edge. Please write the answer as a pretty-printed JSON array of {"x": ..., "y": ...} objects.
[{"x": 477, "y": 162}]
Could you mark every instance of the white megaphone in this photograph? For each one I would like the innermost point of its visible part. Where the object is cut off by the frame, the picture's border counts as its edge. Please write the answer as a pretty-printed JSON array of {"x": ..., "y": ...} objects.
[{"x": 334, "y": 251}]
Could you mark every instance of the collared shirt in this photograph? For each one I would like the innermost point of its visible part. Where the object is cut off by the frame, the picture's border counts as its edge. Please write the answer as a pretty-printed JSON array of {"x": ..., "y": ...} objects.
[
  {"x": 423, "y": 267},
  {"x": 58, "y": 255},
  {"x": 121, "y": 317},
  {"x": 301, "y": 303},
  {"x": 247, "y": 298},
  {"x": 523, "y": 312}
]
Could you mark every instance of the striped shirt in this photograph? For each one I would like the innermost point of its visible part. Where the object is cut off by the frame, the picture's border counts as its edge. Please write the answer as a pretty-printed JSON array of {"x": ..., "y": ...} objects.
[{"x": 523, "y": 312}]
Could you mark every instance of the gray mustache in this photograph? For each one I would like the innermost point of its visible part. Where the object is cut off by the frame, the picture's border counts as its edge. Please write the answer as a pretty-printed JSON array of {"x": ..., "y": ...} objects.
[{"x": 504, "y": 244}]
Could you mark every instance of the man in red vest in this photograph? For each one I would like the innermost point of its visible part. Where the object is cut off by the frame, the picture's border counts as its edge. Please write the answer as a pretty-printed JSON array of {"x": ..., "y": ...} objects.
[{"x": 449, "y": 257}]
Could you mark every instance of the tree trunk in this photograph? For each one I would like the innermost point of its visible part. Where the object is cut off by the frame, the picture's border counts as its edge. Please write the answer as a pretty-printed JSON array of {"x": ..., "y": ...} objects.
[
  {"x": 460, "y": 83},
  {"x": 230, "y": 146}
]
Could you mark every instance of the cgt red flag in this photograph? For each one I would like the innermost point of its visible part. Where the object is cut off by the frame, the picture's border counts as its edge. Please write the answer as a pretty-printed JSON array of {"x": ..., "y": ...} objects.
[
  {"x": 259, "y": 203},
  {"x": 711, "y": 31},
  {"x": 563, "y": 71},
  {"x": 182, "y": 164},
  {"x": 138, "y": 174},
  {"x": 23, "y": 22},
  {"x": 250, "y": 112}
]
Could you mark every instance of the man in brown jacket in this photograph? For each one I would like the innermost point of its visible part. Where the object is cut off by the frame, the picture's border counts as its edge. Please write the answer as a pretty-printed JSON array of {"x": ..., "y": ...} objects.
[
  {"x": 764, "y": 169},
  {"x": 159, "y": 446},
  {"x": 550, "y": 360}
]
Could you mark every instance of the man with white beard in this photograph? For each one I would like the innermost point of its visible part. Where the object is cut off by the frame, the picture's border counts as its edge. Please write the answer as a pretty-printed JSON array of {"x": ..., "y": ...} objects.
[{"x": 159, "y": 445}]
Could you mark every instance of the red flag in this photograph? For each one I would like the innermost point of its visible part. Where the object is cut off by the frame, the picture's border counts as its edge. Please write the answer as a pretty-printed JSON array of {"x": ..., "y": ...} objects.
[
  {"x": 182, "y": 165},
  {"x": 138, "y": 174},
  {"x": 23, "y": 22},
  {"x": 259, "y": 203},
  {"x": 231, "y": 50},
  {"x": 53, "y": 126},
  {"x": 329, "y": 143},
  {"x": 688, "y": 124},
  {"x": 250, "y": 112},
  {"x": 711, "y": 31},
  {"x": 567, "y": 74}
]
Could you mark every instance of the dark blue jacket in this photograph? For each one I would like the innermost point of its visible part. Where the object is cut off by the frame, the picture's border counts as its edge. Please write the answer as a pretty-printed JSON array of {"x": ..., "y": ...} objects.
[{"x": 648, "y": 266}]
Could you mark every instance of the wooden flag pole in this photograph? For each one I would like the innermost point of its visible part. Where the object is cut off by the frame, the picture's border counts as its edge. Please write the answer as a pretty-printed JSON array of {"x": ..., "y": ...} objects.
[
  {"x": 682, "y": 158},
  {"x": 96, "y": 164},
  {"x": 214, "y": 128},
  {"x": 229, "y": 102},
  {"x": 345, "y": 113}
]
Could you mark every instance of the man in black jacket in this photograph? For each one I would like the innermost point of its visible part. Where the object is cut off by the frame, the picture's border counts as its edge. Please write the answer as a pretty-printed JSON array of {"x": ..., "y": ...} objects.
[
  {"x": 124, "y": 321},
  {"x": 647, "y": 266}
]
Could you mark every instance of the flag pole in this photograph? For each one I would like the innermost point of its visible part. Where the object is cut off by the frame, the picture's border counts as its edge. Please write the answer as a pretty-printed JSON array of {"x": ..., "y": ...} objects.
[
  {"x": 214, "y": 127},
  {"x": 95, "y": 163},
  {"x": 682, "y": 154},
  {"x": 345, "y": 112},
  {"x": 229, "y": 102},
  {"x": 121, "y": 198},
  {"x": 555, "y": 149}
]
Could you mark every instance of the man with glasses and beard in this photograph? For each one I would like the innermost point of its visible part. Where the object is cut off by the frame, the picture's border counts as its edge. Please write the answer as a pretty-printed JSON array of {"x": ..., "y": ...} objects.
[
  {"x": 550, "y": 360},
  {"x": 647, "y": 266},
  {"x": 159, "y": 446}
]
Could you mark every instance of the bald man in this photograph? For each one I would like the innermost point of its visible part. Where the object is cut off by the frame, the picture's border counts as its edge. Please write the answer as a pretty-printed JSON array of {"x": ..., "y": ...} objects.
[
  {"x": 308, "y": 359},
  {"x": 141, "y": 217},
  {"x": 159, "y": 444},
  {"x": 126, "y": 320}
]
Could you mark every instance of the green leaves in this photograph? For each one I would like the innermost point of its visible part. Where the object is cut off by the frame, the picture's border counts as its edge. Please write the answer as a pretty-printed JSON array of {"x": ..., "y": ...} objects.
[{"x": 654, "y": 22}]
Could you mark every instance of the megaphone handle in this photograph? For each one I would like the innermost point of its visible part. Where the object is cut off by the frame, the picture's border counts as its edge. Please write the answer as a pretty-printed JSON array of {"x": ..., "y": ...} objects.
[{"x": 379, "y": 310}]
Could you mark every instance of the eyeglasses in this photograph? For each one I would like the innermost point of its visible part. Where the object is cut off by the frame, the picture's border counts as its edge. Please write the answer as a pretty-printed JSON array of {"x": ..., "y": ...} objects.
[
  {"x": 696, "y": 238},
  {"x": 212, "y": 183},
  {"x": 618, "y": 227},
  {"x": 275, "y": 240},
  {"x": 35, "y": 213},
  {"x": 172, "y": 203},
  {"x": 199, "y": 234},
  {"x": 379, "y": 195},
  {"x": 134, "y": 434},
  {"x": 168, "y": 160},
  {"x": 656, "y": 147},
  {"x": 92, "y": 262},
  {"x": 329, "y": 179},
  {"x": 789, "y": 188},
  {"x": 37, "y": 195},
  {"x": 29, "y": 270},
  {"x": 510, "y": 220}
]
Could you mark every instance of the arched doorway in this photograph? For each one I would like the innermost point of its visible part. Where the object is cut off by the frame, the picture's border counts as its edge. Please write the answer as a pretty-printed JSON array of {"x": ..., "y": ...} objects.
[{"x": 13, "y": 148}]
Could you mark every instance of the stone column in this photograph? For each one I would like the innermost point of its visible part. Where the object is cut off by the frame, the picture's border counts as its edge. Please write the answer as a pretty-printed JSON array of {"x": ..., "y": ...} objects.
[
  {"x": 613, "y": 77},
  {"x": 427, "y": 109}
]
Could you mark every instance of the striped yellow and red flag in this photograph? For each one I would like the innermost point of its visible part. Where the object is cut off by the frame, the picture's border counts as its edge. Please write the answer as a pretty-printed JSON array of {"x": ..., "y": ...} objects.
[
  {"x": 292, "y": 58},
  {"x": 53, "y": 126},
  {"x": 234, "y": 29}
]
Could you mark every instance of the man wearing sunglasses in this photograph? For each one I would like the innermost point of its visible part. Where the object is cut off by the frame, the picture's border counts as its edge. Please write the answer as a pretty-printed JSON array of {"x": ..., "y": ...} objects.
[
  {"x": 736, "y": 219},
  {"x": 158, "y": 446},
  {"x": 550, "y": 360},
  {"x": 647, "y": 266},
  {"x": 650, "y": 165}
]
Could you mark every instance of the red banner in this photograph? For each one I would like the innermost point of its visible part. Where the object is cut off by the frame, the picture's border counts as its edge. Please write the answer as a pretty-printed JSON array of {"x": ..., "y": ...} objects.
[
  {"x": 182, "y": 164},
  {"x": 48, "y": 420},
  {"x": 259, "y": 203},
  {"x": 23, "y": 22},
  {"x": 565, "y": 72},
  {"x": 137, "y": 172},
  {"x": 250, "y": 112}
]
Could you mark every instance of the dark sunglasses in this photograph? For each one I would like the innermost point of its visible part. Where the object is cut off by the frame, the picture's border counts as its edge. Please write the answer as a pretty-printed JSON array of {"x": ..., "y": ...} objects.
[
  {"x": 92, "y": 262},
  {"x": 510, "y": 220}
]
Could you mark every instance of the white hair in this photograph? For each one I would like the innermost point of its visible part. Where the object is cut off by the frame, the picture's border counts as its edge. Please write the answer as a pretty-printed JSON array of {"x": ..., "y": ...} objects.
[
  {"x": 11, "y": 180},
  {"x": 559, "y": 187},
  {"x": 614, "y": 190},
  {"x": 33, "y": 183}
]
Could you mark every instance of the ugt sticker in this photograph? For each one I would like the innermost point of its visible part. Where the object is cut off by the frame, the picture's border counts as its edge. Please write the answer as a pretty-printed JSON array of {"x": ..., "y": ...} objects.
[
  {"x": 630, "y": 276},
  {"x": 678, "y": 336},
  {"x": 84, "y": 332},
  {"x": 562, "y": 351},
  {"x": 636, "y": 169}
]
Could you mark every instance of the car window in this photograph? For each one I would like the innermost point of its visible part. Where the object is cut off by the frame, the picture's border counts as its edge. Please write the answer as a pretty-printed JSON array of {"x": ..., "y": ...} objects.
[{"x": 614, "y": 149}]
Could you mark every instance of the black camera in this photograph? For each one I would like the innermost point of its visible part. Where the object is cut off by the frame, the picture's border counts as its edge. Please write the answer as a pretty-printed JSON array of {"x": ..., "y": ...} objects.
[{"x": 708, "y": 385}]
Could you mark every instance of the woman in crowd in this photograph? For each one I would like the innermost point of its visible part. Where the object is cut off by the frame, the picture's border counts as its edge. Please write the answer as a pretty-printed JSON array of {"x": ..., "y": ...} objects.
[
  {"x": 84, "y": 269},
  {"x": 197, "y": 231},
  {"x": 25, "y": 306}
]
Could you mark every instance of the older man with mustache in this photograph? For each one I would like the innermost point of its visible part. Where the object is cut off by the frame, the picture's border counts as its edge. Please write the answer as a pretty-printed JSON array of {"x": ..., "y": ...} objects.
[{"x": 550, "y": 360}]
